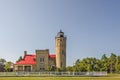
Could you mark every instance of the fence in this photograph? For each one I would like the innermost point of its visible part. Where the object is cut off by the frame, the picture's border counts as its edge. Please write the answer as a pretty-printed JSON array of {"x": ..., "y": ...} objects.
[{"x": 53, "y": 73}]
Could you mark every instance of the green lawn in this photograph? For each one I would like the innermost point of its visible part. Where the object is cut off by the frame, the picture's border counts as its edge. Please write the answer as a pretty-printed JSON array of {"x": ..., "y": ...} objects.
[
  {"x": 109, "y": 77},
  {"x": 59, "y": 78}
]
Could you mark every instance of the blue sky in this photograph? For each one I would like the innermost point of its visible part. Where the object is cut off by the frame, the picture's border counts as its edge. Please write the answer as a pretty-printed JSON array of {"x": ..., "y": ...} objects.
[{"x": 92, "y": 27}]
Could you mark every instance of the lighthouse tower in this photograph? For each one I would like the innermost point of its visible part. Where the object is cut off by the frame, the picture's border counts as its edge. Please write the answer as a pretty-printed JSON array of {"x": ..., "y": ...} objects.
[{"x": 60, "y": 42}]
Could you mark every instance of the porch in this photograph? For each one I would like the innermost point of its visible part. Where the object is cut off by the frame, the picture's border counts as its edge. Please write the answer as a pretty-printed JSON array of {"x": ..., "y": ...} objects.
[{"x": 28, "y": 68}]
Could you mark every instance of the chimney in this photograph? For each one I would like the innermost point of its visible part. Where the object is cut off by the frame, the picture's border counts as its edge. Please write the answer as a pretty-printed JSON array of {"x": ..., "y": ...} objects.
[{"x": 25, "y": 53}]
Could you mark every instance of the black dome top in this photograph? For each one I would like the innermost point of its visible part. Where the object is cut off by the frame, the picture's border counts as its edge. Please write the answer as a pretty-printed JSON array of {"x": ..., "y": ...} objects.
[{"x": 60, "y": 34}]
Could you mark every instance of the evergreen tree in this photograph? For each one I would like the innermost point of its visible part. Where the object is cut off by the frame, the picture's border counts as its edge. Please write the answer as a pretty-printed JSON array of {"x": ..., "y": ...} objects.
[{"x": 20, "y": 58}]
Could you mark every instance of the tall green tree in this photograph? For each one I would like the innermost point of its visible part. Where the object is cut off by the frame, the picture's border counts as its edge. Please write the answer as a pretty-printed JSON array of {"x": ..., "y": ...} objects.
[
  {"x": 104, "y": 63},
  {"x": 83, "y": 66},
  {"x": 93, "y": 64},
  {"x": 117, "y": 65},
  {"x": 76, "y": 68},
  {"x": 104, "y": 57},
  {"x": 111, "y": 63},
  {"x": 87, "y": 64}
]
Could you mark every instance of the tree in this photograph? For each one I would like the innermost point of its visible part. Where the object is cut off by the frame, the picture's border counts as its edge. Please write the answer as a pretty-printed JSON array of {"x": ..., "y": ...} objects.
[
  {"x": 104, "y": 57},
  {"x": 2, "y": 61},
  {"x": 77, "y": 62},
  {"x": 83, "y": 66},
  {"x": 20, "y": 58},
  {"x": 111, "y": 63},
  {"x": 87, "y": 64},
  {"x": 2, "y": 64},
  {"x": 117, "y": 65},
  {"x": 8, "y": 66},
  {"x": 93, "y": 64},
  {"x": 76, "y": 66},
  {"x": 58, "y": 69},
  {"x": 69, "y": 68},
  {"x": 104, "y": 63},
  {"x": 51, "y": 68}
]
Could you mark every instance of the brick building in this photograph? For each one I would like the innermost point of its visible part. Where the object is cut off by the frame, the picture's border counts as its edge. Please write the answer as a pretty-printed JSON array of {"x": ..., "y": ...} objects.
[{"x": 42, "y": 59}]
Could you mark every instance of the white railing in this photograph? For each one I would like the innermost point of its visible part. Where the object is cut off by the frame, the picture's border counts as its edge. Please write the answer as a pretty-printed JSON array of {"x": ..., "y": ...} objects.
[{"x": 53, "y": 73}]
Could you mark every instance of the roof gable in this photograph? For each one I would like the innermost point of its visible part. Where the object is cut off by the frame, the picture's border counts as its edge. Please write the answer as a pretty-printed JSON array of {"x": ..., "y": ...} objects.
[
  {"x": 28, "y": 59},
  {"x": 31, "y": 59}
]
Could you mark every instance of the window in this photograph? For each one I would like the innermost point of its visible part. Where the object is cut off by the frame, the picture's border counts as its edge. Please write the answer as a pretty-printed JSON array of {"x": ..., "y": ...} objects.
[{"x": 41, "y": 59}]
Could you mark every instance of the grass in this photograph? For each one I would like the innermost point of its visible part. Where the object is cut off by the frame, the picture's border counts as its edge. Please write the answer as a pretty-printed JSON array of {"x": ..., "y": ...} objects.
[
  {"x": 59, "y": 78},
  {"x": 113, "y": 75},
  {"x": 109, "y": 77}
]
